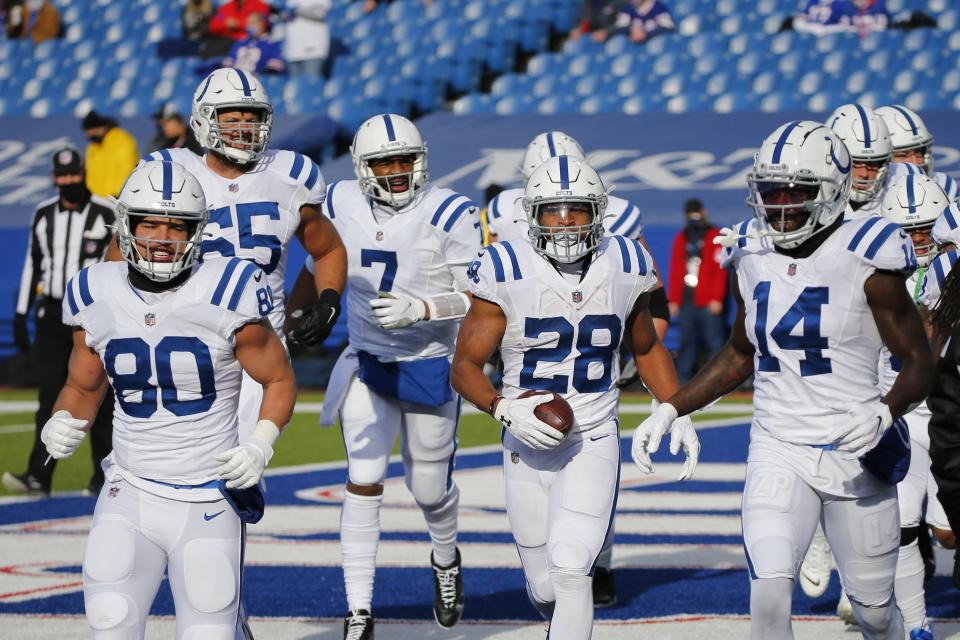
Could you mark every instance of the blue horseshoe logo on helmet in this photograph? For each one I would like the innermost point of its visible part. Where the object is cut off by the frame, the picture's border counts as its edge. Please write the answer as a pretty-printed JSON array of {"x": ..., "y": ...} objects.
[{"x": 844, "y": 170}]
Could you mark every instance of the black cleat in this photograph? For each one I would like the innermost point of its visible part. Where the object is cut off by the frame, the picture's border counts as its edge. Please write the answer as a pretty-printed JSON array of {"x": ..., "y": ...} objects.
[
  {"x": 604, "y": 589},
  {"x": 447, "y": 592},
  {"x": 358, "y": 625},
  {"x": 24, "y": 484}
]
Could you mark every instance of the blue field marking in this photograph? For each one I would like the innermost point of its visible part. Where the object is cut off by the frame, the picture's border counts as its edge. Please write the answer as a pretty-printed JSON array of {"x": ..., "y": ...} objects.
[{"x": 496, "y": 594}]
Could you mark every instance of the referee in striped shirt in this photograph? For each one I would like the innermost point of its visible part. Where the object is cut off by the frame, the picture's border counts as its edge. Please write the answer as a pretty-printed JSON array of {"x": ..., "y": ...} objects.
[{"x": 69, "y": 231}]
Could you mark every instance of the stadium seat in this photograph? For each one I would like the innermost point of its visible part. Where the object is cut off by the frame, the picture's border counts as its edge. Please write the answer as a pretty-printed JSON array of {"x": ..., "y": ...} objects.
[
  {"x": 730, "y": 102},
  {"x": 473, "y": 103},
  {"x": 605, "y": 103},
  {"x": 514, "y": 104}
]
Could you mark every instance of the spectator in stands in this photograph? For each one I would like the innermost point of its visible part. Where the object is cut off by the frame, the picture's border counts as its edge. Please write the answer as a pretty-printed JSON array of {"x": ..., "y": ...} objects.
[
  {"x": 230, "y": 21},
  {"x": 195, "y": 18},
  {"x": 229, "y": 24},
  {"x": 307, "y": 41},
  {"x": 644, "y": 19},
  {"x": 111, "y": 154},
  {"x": 697, "y": 288},
  {"x": 172, "y": 131},
  {"x": 257, "y": 53},
  {"x": 831, "y": 16},
  {"x": 67, "y": 233},
  {"x": 38, "y": 20},
  {"x": 598, "y": 18}
]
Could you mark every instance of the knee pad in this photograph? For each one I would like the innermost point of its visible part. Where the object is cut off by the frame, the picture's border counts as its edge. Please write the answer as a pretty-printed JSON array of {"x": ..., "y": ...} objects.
[
  {"x": 541, "y": 595},
  {"x": 110, "y": 611},
  {"x": 566, "y": 582},
  {"x": 874, "y": 619},
  {"x": 211, "y": 574},
  {"x": 870, "y": 585},
  {"x": 210, "y": 632},
  {"x": 908, "y": 535},
  {"x": 428, "y": 482},
  {"x": 571, "y": 556},
  {"x": 110, "y": 550}
]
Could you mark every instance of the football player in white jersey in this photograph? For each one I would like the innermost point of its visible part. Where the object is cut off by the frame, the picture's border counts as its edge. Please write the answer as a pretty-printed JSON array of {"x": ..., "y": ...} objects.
[
  {"x": 259, "y": 199},
  {"x": 868, "y": 141},
  {"x": 915, "y": 202},
  {"x": 408, "y": 246},
  {"x": 558, "y": 307},
  {"x": 171, "y": 336},
  {"x": 812, "y": 339},
  {"x": 506, "y": 220},
  {"x": 913, "y": 144}
]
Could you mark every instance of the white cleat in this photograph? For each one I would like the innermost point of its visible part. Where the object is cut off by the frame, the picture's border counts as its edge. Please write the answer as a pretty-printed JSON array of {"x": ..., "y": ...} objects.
[
  {"x": 815, "y": 570},
  {"x": 845, "y": 609}
]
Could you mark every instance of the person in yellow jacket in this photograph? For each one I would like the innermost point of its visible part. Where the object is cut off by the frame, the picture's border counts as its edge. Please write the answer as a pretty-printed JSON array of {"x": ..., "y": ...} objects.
[{"x": 111, "y": 155}]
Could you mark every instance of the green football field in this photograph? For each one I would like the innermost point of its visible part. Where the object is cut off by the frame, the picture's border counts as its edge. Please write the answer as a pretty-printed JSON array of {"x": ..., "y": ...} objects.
[{"x": 303, "y": 441}]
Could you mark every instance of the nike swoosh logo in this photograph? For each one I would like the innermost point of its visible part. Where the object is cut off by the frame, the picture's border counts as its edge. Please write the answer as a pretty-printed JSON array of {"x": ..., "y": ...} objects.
[
  {"x": 209, "y": 518},
  {"x": 258, "y": 275},
  {"x": 595, "y": 438}
]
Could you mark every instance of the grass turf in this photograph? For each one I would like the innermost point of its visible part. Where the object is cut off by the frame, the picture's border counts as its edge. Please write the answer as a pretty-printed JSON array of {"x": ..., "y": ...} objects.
[{"x": 303, "y": 442}]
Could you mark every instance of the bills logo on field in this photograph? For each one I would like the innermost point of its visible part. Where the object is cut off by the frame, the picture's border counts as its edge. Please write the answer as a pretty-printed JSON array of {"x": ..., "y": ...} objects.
[
  {"x": 792, "y": 269},
  {"x": 577, "y": 297},
  {"x": 150, "y": 319}
]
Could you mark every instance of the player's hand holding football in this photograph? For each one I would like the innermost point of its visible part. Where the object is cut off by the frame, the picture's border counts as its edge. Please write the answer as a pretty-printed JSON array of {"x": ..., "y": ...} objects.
[
  {"x": 647, "y": 437},
  {"x": 862, "y": 430},
  {"x": 516, "y": 415},
  {"x": 396, "y": 310},
  {"x": 243, "y": 466},
  {"x": 62, "y": 434},
  {"x": 317, "y": 320}
]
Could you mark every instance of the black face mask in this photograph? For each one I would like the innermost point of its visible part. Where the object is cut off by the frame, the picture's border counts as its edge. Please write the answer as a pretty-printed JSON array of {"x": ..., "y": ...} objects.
[{"x": 73, "y": 192}]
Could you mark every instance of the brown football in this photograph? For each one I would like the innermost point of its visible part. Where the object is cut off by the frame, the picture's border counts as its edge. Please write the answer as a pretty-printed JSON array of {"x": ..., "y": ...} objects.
[{"x": 555, "y": 411}]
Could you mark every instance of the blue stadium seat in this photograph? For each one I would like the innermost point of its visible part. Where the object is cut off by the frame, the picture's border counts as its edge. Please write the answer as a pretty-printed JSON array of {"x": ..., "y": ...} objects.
[
  {"x": 780, "y": 101},
  {"x": 510, "y": 105},
  {"x": 926, "y": 100},
  {"x": 602, "y": 103},
  {"x": 688, "y": 102},
  {"x": 644, "y": 103},
  {"x": 731, "y": 102},
  {"x": 473, "y": 103},
  {"x": 825, "y": 101}
]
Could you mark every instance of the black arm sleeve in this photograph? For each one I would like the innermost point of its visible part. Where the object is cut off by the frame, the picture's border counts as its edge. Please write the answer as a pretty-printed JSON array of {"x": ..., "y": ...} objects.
[{"x": 658, "y": 304}]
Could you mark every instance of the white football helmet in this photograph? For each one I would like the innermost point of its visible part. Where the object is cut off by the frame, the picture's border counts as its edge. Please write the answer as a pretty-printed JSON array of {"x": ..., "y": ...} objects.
[
  {"x": 384, "y": 136},
  {"x": 548, "y": 145},
  {"x": 232, "y": 90},
  {"x": 168, "y": 190},
  {"x": 915, "y": 202},
  {"x": 908, "y": 132},
  {"x": 560, "y": 185},
  {"x": 946, "y": 229},
  {"x": 801, "y": 171},
  {"x": 868, "y": 142}
]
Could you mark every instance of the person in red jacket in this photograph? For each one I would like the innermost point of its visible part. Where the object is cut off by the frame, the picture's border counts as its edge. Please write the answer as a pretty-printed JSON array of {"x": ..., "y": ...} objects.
[
  {"x": 230, "y": 21},
  {"x": 697, "y": 289}
]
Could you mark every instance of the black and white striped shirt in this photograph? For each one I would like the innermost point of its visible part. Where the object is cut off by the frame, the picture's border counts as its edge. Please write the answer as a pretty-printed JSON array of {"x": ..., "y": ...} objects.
[{"x": 62, "y": 242}]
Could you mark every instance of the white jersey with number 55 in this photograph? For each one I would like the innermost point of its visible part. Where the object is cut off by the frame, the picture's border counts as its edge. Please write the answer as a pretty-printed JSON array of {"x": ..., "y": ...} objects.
[
  {"x": 564, "y": 336},
  {"x": 255, "y": 215},
  {"x": 817, "y": 346}
]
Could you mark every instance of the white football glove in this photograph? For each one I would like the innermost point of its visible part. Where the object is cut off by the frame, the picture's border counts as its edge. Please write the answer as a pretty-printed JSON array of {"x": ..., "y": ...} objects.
[
  {"x": 646, "y": 439},
  {"x": 865, "y": 426},
  {"x": 62, "y": 434},
  {"x": 396, "y": 310},
  {"x": 516, "y": 415},
  {"x": 243, "y": 466}
]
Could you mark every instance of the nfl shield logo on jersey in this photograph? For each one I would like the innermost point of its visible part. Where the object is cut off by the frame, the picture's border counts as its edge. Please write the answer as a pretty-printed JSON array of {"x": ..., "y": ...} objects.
[
  {"x": 514, "y": 457},
  {"x": 792, "y": 269},
  {"x": 234, "y": 187},
  {"x": 577, "y": 297},
  {"x": 379, "y": 235},
  {"x": 150, "y": 319},
  {"x": 113, "y": 492}
]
